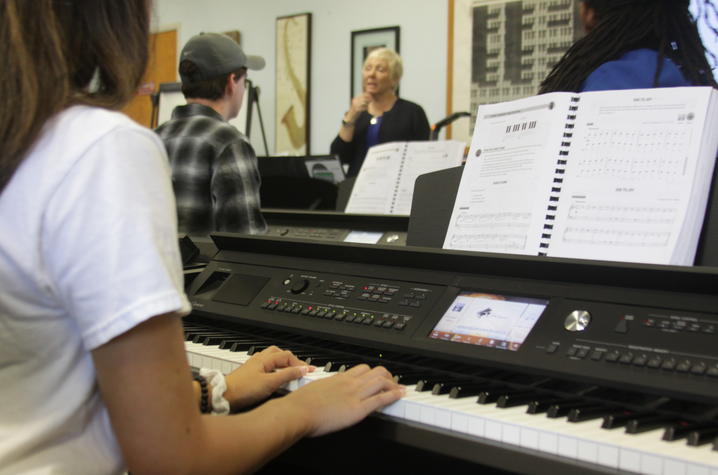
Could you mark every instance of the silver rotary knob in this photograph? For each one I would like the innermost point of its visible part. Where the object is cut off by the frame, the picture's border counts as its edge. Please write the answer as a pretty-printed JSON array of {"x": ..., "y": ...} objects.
[{"x": 577, "y": 321}]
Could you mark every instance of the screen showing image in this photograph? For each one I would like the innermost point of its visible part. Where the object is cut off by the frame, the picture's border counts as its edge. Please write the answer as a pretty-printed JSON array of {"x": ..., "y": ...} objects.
[{"x": 495, "y": 321}]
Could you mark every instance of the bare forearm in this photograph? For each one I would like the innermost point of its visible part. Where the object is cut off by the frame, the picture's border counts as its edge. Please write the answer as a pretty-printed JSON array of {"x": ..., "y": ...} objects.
[{"x": 244, "y": 442}]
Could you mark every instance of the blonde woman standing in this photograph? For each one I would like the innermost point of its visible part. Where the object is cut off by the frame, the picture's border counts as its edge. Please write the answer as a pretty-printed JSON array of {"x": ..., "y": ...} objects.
[{"x": 378, "y": 115}]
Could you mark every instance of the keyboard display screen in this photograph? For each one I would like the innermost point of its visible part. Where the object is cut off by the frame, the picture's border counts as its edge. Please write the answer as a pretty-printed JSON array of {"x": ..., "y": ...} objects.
[
  {"x": 495, "y": 321},
  {"x": 363, "y": 237}
]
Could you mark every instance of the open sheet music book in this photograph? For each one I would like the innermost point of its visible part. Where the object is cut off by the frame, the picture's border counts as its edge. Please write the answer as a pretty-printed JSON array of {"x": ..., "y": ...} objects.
[
  {"x": 385, "y": 183},
  {"x": 610, "y": 175}
]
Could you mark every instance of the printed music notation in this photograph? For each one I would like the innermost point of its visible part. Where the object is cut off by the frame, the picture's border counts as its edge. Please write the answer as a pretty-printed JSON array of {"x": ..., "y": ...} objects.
[
  {"x": 504, "y": 219},
  {"x": 489, "y": 241},
  {"x": 622, "y": 214},
  {"x": 633, "y": 154},
  {"x": 615, "y": 237},
  {"x": 614, "y": 175}
]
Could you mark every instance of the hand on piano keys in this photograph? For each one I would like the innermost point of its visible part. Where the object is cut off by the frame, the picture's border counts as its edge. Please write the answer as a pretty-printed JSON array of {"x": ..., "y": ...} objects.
[
  {"x": 330, "y": 405},
  {"x": 261, "y": 375},
  {"x": 345, "y": 398},
  {"x": 569, "y": 427}
]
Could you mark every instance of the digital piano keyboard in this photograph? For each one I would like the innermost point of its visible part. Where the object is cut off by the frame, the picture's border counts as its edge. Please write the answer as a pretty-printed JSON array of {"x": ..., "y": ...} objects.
[{"x": 512, "y": 364}]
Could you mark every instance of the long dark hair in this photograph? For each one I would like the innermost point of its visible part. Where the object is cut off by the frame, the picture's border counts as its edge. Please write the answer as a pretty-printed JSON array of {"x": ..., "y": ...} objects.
[
  {"x": 623, "y": 25},
  {"x": 53, "y": 51}
]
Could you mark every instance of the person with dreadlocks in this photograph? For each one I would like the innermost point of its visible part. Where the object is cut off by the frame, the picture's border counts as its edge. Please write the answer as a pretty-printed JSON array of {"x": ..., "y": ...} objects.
[{"x": 633, "y": 44}]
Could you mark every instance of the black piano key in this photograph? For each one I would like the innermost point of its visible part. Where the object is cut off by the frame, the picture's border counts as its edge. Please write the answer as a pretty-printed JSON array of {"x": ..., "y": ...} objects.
[
  {"x": 335, "y": 364},
  {"x": 445, "y": 387},
  {"x": 304, "y": 354},
  {"x": 682, "y": 429},
  {"x": 491, "y": 395},
  {"x": 213, "y": 340},
  {"x": 319, "y": 361},
  {"x": 562, "y": 409},
  {"x": 257, "y": 348},
  {"x": 407, "y": 378},
  {"x": 580, "y": 414},
  {"x": 517, "y": 398},
  {"x": 541, "y": 405},
  {"x": 429, "y": 383},
  {"x": 226, "y": 344},
  {"x": 650, "y": 422},
  {"x": 469, "y": 390},
  {"x": 200, "y": 336},
  {"x": 238, "y": 346},
  {"x": 621, "y": 418},
  {"x": 702, "y": 436}
]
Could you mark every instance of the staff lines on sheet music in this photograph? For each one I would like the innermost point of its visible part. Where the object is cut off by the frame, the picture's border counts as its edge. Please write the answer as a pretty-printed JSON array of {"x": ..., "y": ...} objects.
[
  {"x": 635, "y": 154},
  {"x": 489, "y": 241},
  {"x": 504, "y": 219},
  {"x": 614, "y": 237},
  {"x": 622, "y": 214}
]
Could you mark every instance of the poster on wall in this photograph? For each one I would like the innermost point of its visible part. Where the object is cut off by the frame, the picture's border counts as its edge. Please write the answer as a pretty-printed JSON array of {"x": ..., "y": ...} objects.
[
  {"x": 501, "y": 50},
  {"x": 293, "y": 40}
]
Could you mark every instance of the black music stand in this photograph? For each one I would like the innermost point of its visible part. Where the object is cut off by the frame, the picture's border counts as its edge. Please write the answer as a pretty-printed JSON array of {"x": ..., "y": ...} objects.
[
  {"x": 306, "y": 182},
  {"x": 431, "y": 213},
  {"x": 344, "y": 192}
]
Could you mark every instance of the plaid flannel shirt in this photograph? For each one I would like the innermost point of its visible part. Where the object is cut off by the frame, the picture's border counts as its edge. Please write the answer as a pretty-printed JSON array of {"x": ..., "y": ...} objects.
[{"x": 214, "y": 173}]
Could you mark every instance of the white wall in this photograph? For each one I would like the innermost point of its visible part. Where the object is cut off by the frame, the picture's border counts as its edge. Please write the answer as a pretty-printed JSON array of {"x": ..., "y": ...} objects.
[{"x": 423, "y": 47}]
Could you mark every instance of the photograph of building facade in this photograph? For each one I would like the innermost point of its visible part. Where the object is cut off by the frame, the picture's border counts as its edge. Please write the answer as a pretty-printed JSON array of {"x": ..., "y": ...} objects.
[{"x": 515, "y": 44}]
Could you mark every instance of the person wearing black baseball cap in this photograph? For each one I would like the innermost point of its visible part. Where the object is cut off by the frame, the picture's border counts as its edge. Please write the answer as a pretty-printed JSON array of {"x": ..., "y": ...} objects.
[{"x": 214, "y": 167}]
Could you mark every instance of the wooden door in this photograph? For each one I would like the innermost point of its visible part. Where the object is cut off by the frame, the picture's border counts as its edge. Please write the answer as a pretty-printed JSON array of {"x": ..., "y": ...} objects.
[{"x": 162, "y": 68}]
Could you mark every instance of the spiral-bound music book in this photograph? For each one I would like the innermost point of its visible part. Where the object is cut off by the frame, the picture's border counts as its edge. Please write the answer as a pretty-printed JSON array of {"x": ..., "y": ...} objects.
[
  {"x": 385, "y": 183},
  {"x": 610, "y": 175}
]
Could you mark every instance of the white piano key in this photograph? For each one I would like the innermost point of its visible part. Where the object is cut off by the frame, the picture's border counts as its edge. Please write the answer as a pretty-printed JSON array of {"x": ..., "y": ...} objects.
[
  {"x": 608, "y": 455},
  {"x": 587, "y": 451},
  {"x": 651, "y": 465},
  {"x": 567, "y": 446},
  {"x": 511, "y": 434},
  {"x": 529, "y": 438},
  {"x": 629, "y": 460},
  {"x": 548, "y": 442},
  {"x": 696, "y": 470},
  {"x": 477, "y": 426},
  {"x": 493, "y": 429},
  {"x": 586, "y": 441}
]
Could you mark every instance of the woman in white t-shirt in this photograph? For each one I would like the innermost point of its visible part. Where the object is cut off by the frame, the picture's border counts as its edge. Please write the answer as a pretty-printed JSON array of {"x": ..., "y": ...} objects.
[{"x": 93, "y": 373}]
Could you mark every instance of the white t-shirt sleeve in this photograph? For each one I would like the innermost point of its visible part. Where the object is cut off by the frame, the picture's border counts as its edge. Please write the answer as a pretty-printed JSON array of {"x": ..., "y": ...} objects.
[{"x": 110, "y": 237}]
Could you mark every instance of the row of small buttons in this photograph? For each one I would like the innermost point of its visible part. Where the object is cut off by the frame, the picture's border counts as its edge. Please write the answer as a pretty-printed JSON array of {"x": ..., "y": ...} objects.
[
  {"x": 341, "y": 286},
  {"x": 680, "y": 325},
  {"x": 413, "y": 299},
  {"x": 667, "y": 363},
  {"x": 385, "y": 320},
  {"x": 339, "y": 290},
  {"x": 338, "y": 294},
  {"x": 378, "y": 293}
]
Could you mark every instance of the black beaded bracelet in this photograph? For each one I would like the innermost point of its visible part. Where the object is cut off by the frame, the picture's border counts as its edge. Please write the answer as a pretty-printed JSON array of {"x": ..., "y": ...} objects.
[{"x": 204, "y": 394}]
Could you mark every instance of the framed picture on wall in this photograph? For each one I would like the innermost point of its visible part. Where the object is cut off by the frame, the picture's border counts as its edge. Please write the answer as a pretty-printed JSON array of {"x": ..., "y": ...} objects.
[
  {"x": 363, "y": 43},
  {"x": 293, "y": 40}
]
